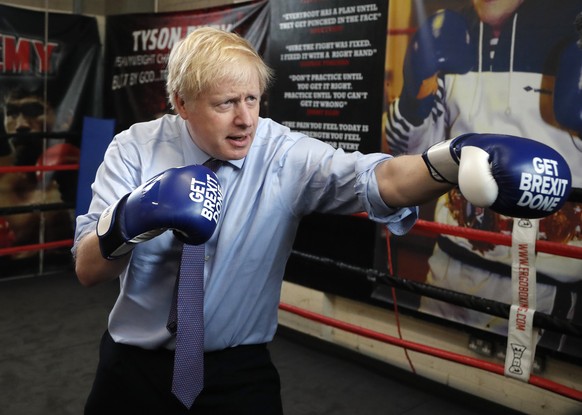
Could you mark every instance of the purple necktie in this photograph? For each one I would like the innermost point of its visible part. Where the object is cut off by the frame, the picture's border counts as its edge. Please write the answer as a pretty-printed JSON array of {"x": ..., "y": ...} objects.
[
  {"x": 187, "y": 321},
  {"x": 188, "y": 379}
]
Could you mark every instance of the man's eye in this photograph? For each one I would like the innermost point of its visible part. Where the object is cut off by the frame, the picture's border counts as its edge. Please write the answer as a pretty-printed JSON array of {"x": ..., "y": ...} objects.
[
  {"x": 27, "y": 110},
  {"x": 12, "y": 111},
  {"x": 32, "y": 110},
  {"x": 226, "y": 104}
]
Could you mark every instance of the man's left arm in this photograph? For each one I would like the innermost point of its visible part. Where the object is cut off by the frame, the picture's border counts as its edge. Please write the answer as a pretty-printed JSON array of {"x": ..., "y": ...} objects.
[
  {"x": 513, "y": 176},
  {"x": 405, "y": 181}
]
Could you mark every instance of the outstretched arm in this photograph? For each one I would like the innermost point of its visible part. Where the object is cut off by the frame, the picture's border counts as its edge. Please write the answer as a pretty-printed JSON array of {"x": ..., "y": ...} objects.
[
  {"x": 406, "y": 181},
  {"x": 514, "y": 176}
]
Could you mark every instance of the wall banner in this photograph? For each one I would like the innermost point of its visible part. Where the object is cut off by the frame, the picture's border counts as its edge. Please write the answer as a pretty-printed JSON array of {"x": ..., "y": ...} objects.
[
  {"x": 329, "y": 60},
  {"x": 48, "y": 72},
  {"x": 486, "y": 67},
  {"x": 328, "y": 57},
  {"x": 138, "y": 45}
]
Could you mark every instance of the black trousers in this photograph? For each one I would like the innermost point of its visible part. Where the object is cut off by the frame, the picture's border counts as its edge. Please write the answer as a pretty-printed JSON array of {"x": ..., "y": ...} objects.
[{"x": 131, "y": 380}]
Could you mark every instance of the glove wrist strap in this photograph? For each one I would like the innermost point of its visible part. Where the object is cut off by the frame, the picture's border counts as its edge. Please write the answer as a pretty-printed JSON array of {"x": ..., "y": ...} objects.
[
  {"x": 442, "y": 163},
  {"x": 112, "y": 240}
]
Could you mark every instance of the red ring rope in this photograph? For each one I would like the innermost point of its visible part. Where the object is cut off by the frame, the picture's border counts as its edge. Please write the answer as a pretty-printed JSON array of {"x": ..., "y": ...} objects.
[
  {"x": 36, "y": 247},
  {"x": 430, "y": 228},
  {"x": 433, "y": 351},
  {"x": 28, "y": 169},
  {"x": 497, "y": 238}
]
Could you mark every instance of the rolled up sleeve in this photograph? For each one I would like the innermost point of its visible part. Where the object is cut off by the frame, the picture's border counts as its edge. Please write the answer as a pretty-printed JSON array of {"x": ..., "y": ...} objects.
[{"x": 398, "y": 220}]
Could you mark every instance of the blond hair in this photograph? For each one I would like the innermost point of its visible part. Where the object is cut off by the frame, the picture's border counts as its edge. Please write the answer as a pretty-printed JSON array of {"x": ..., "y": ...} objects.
[{"x": 208, "y": 56}]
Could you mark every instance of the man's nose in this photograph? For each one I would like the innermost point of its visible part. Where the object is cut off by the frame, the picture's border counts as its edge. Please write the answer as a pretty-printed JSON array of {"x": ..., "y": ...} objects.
[
  {"x": 243, "y": 116},
  {"x": 22, "y": 123}
]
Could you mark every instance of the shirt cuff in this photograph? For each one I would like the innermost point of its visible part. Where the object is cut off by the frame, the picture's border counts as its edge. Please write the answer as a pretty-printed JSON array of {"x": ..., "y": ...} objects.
[{"x": 398, "y": 220}]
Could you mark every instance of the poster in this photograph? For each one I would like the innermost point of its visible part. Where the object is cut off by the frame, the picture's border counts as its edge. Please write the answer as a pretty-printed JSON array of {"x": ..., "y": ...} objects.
[
  {"x": 328, "y": 57},
  {"x": 48, "y": 80},
  {"x": 137, "y": 48},
  {"x": 455, "y": 67}
]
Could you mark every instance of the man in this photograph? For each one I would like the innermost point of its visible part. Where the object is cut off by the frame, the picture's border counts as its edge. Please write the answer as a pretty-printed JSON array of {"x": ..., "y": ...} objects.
[
  {"x": 494, "y": 67},
  {"x": 24, "y": 112},
  {"x": 271, "y": 178}
]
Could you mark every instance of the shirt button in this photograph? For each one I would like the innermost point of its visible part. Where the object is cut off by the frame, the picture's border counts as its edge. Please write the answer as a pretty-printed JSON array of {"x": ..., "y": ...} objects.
[{"x": 206, "y": 257}]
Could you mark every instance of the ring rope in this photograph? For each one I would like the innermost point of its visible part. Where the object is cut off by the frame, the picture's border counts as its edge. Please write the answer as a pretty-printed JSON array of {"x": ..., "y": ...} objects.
[
  {"x": 66, "y": 243},
  {"x": 31, "y": 169},
  {"x": 430, "y": 228},
  {"x": 492, "y": 307},
  {"x": 496, "y": 238},
  {"x": 575, "y": 195},
  {"x": 41, "y": 135},
  {"x": 429, "y": 350},
  {"x": 46, "y": 207}
]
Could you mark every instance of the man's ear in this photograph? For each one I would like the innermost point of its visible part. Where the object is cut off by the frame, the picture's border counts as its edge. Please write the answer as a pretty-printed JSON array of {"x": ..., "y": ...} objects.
[{"x": 180, "y": 105}]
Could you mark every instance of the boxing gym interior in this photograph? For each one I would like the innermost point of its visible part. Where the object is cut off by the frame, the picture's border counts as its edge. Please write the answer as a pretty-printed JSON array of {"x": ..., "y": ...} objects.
[{"x": 441, "y": 320}]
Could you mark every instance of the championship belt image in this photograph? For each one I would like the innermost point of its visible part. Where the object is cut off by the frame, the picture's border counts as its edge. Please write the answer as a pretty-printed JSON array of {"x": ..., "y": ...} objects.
[{"x": 561, "y": 227}]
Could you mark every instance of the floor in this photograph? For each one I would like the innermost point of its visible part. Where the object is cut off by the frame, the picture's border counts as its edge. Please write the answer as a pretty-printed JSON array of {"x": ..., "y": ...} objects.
[{"x": 50, "y": 327}]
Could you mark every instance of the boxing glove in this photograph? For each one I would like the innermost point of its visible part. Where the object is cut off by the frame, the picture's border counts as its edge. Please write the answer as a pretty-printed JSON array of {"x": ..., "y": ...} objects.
[
  {"x": 187, "y": 200},
  {"x": 568, "y": 88},
  {"x": 59, "y": 155},
  {"x": 514, "y": 176},
  {"x": 440, "y": 45}
]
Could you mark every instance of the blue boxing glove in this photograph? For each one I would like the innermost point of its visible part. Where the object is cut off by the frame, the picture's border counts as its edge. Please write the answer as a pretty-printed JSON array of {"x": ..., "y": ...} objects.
[
  {"x": 186, "y": 200},
  {"x": 440, "y": 45},
  {"x": 513, "y": 176},
  {"x": 568, "y": 88}
]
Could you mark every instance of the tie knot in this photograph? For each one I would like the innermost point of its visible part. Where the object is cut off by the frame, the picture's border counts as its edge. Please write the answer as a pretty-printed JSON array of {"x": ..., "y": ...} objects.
[{"x": 213, "y": 164}]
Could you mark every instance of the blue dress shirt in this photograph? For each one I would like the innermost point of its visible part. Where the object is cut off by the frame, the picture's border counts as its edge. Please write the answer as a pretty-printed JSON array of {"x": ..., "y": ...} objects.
[{"x": 285, "y": 176}]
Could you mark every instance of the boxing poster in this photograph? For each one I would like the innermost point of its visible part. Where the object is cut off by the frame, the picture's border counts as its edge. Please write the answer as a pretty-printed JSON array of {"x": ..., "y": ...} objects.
[
  {"x": 137, "y": 48},
  {"x": 486, "y": 67},
  {"x": 48, "y": 82},
  {"x": 328, "y": 57}
]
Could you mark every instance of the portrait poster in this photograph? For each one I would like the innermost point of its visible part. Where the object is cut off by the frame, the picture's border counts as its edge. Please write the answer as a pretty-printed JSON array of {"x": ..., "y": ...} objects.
[
  {"x": 457, "y": 67},
  {"x": 48, "y": 82}
]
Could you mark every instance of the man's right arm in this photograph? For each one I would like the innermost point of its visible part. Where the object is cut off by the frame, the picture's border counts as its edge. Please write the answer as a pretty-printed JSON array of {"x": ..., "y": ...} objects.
[
  {"x": 91, "y": 267},
  {"x": 186, "y": 200}
]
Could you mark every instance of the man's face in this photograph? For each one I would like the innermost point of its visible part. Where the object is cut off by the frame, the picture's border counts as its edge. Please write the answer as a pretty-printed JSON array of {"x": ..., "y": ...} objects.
[
  {"x": 495, "y": 12},
  {"x": 27, "y": 115},
  {"x": 222, "y": 121}
]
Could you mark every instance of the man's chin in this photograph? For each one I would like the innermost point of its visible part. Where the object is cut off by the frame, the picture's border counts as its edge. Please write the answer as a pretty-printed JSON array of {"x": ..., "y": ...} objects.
[{"x": 238, "y": 149}]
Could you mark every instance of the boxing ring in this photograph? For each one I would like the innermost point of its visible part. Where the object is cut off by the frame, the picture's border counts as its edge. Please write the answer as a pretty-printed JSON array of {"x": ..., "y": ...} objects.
[
  {"x": 61, "y": 158},
  {"x": 484, "y": 305},
  {"x": 422, "y": 227},
  {"x": 492, "y": 307},
  {"x": 53, "y": 159}
]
